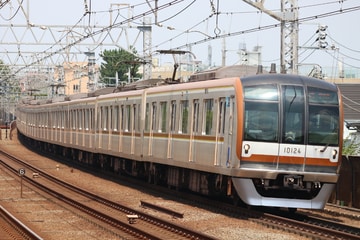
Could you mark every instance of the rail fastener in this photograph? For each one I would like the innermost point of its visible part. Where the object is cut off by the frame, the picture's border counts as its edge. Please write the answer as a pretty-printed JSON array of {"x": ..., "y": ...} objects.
[
  {"x": 35, "y": 175},
  {"x": 132, "y": 218}
]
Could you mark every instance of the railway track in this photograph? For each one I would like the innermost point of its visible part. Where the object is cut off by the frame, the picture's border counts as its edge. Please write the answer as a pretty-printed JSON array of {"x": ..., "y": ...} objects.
[
  {"x": 312, "y": 227},
  {"x": 12, "y": 228},
  {"x": 309, "y": 228},
  {"x": 116, "y": 215},
  {"x": 299, "y": 224}
]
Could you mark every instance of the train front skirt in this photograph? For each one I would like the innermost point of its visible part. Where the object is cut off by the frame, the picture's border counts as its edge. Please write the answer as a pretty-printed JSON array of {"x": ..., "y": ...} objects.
[{"x": 247, "y": 192}]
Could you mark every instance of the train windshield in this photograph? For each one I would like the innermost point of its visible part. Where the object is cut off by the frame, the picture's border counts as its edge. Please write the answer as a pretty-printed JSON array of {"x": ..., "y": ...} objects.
[
  {"x": 323, "y": 117},
  {"x": 271, "y": 118},
  {"x": 262, "y": 113}
]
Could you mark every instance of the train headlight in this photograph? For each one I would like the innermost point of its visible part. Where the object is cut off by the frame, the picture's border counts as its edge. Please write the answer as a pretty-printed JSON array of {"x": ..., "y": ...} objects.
[{"x": 246, "y": 148}]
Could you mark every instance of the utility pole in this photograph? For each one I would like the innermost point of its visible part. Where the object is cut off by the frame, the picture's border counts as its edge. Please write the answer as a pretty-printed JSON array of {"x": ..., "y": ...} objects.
[
  {"x": 288, "y": 18},
  {"x": 147, "y": 39},
  {"x": 68, "y": 42}
]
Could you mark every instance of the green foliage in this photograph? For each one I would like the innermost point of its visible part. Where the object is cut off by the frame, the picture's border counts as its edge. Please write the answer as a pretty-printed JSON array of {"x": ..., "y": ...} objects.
[
  {"x": 8, "y": 83},
  {"x": 120, "y": 61},
  {"x": 5, "y": 73},
  {"x": 350, "y": 147}
]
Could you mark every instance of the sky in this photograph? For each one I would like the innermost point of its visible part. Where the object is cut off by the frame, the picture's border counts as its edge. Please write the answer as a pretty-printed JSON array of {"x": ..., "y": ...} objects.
[{"x": 187, "y": 22}]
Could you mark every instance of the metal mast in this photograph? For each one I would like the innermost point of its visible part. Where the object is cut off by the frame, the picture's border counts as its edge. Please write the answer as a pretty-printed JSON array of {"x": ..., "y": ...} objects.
[
  {"x": 66, "y": 43},
  {"x": 288, "y": 18}
]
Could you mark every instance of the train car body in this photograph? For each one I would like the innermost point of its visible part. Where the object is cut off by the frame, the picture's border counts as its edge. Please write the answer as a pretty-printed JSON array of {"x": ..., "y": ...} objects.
[{"x": 275, "y": 139}]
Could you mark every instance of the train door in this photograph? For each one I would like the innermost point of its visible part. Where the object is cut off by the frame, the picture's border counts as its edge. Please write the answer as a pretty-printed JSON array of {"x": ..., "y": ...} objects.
[
  {"x": 132, "y": 126},
  {"x": 81, "y": 127},
  {"x": 99, "y": 126},
  {"x": 172, "y": 122},
  {"x": 224, "y": 127},
  {"x": 47, "y": 125},
  {"x": 55, "y": 125},
  {"x": 92, "y": 137},
  {"x": 110, "y": 127},
  {"x": 60, "y": 112},
  {"x": 153, "y": 114},
  {"x": 121, "y": 127},
  {"x": 61, "y": 127},
  {"x": 194, "y": 128},
  {"x": 87, "y": 140},
  {"x": 66, "y": 124},
  {"x": 292, "y": 148}
]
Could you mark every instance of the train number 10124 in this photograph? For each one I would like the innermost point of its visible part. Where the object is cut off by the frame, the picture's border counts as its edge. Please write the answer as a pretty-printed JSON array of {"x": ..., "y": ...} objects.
[{"x": 292, "y": 150}]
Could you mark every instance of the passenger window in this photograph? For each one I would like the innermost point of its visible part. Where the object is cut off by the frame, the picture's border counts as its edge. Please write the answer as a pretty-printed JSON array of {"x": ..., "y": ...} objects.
[
  {"x": 73, "y": 116},
  {"x": 134, "y": 112},
  {"x": 184, "y": 115},
  {"x": 222, "y": 113},
  {"x": 173, "y": 116},
  {"x": 147, "y": 114},
  {"x": 195, "y": 115},
  {"x": 116, "y": 118},
  {"x": 122, "y": 120},
  {"x": 111, "y": 127},
  {"x": 91, "y": 119},
  {"x": 80, "y": 119},
  {"x": 153, "y": 116},
  {"x": 66, "y": 122},
  {"x": 105, "y": 118},
  {"x": 86, "y": 119},
  {"x": 128, "y": 118},
  {"x": 208, "y": 116},
  {"x": 138, "y": 117},
  {"x": 162, "y": 117}
]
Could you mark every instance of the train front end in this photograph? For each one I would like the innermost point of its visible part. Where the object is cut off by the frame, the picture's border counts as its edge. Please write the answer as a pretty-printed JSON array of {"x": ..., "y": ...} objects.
[{"x": 291, "y": 138}]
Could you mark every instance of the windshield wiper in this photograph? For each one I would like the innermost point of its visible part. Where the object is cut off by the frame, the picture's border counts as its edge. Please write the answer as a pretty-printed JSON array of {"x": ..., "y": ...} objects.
[{"x": 324, "y": 149}]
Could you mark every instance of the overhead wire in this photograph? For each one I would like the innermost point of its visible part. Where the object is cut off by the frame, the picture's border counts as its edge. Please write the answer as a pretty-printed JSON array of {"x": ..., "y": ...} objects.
[
  {"x": 339, "y": 44},
  {"x": 347, "y": 105},
  {"x": 16, "y": 12},
  {"x": 164, "y": 6},
  {"x": 158, "y": 22},
  {"x": 347, "y": 64},
  {"x": 2, "y": 4},
  {"x": 271, "y": 26},
  {"x": 261, "y": 28},
  {"x": 178, "y": 13}
]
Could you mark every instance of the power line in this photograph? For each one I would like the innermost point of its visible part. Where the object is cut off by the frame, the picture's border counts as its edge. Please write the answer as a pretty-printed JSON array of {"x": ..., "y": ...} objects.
[
  {"x": 341, "y": 45},
  {"x": 16, "y": 12},
  {"x": 88, "y": 35}
]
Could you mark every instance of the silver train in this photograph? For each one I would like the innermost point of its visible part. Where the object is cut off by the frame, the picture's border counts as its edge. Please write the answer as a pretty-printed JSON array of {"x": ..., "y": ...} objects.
[{"x": 270, "y": 139}]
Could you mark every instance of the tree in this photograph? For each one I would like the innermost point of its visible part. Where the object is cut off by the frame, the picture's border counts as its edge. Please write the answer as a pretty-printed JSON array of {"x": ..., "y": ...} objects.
[
  {"x": 8, "y": 82},
  {"x": 9, "y": 91},
  {"x": 5, "y": 73},
  {"x": 351, "y": 146},
  {"x": 120, "y": 61}
]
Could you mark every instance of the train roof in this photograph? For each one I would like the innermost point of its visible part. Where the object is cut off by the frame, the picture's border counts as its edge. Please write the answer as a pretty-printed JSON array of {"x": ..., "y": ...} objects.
[
  {"x": 287, "y": 79},
  {"x": 249, "y": 75},
  {"x": 225, "y": 72}
]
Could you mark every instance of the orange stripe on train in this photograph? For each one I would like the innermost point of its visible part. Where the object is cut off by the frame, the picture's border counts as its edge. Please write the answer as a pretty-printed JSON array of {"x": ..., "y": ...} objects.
[{"x": 290, "y": 160}]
